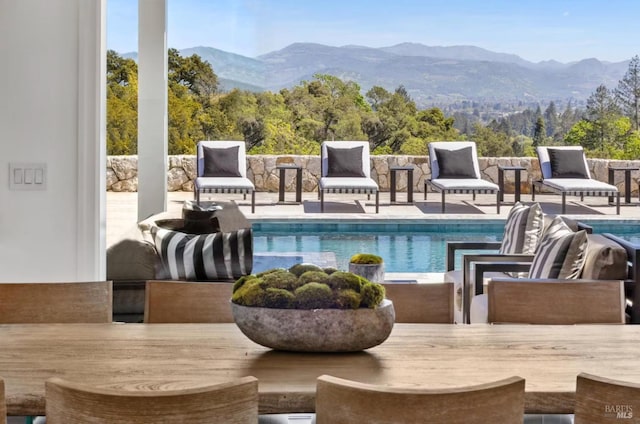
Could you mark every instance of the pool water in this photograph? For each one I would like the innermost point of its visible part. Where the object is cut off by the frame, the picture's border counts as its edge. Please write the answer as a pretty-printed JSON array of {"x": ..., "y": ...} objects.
[{"x": 409, "y": 247}]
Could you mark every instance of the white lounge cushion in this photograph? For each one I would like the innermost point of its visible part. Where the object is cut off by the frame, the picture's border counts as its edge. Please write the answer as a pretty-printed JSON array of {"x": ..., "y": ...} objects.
[
  {"x": 579, "y": 184},
  {"x": 464, "y": 184},
  {"x": 329, "y": 183},
  {"x": 223, "y": 183}
]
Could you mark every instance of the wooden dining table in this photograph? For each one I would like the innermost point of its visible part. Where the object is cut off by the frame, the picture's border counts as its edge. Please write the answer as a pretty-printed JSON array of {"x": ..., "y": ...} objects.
[{"x": 169, "y": 356}]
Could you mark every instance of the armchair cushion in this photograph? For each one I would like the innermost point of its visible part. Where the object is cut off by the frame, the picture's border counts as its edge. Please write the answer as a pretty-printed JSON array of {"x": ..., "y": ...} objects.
[
  {"x": 455, "y": 163},
  {"x": 345, "y": 162},
  {"x": 523, "y": 229},
  {"x": 560, "y": 254},
  {"x": 221, "y": 162},
  {"x": 605, "y": 259}
]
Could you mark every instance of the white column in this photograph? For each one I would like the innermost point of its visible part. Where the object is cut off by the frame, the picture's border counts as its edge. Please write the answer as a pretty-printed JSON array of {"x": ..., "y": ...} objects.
[
  {"x": 92, "y": 113},
  {"x": 152, "y": 107}
]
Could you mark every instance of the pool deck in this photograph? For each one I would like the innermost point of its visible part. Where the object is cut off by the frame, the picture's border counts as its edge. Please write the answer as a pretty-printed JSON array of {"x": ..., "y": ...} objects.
[{"x": 121, "y": 213}]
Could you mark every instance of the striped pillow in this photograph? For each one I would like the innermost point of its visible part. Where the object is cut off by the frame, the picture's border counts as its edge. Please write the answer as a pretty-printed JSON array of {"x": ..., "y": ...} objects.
[
  {"x": 214, "y": 256},
  {"x": 522, "y": 229},
  {"x": 561, "y": 252}
]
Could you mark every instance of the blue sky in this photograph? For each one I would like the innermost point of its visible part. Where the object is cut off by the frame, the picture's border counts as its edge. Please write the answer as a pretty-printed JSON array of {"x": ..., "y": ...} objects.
[{"x": 537, "y": 30}]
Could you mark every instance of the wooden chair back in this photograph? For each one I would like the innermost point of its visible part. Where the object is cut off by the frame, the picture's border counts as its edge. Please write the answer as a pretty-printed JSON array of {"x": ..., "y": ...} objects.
[
  {"x": 187, "y": 302},
  {"x": 602, "y": 400},
  {"x": 565, "y": 302},
  {"x": 3, "y": 405},
  {"x": 230, "y": 402},
  {"x": 343, "y": 401},
  {"x": 421, "y": 303},
  {"x": 60, "y": 302}
]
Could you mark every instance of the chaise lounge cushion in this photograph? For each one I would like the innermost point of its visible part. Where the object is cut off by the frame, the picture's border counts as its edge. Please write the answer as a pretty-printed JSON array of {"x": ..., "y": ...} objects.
[
  {"x": 455, "y": 163},
  {"x": 221, "y": 162},
  {"x": 566, "y": 163},
  {"x": 345, "y": 162}
]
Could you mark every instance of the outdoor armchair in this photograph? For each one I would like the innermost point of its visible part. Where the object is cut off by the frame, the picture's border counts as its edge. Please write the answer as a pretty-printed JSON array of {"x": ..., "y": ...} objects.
[
  {"x": 565, "y": 171},
  {"x": 455, "y": 169},
  {"x": 604, "y": 257}
]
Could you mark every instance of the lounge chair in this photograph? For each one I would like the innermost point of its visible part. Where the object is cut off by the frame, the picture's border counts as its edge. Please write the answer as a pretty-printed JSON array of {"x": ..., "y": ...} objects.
[
  {"x": 565, "y": 171},
  {"x": 345, "y": 168},
  {"x": 454, "y": 169},
  {"x": 222, "y": 168}
]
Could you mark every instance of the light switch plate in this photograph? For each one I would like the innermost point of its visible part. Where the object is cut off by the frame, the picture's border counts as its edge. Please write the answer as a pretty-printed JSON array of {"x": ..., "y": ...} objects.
[{"x": 27, "y": 176}]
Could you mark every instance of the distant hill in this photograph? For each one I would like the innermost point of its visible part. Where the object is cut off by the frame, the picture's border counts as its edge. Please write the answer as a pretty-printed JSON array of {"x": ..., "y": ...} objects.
[{"x": 430, "y": 74}]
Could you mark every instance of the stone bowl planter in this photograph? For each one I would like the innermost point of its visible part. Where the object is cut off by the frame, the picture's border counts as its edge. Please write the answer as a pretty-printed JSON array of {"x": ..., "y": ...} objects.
[{"x": 316, "y": 330}]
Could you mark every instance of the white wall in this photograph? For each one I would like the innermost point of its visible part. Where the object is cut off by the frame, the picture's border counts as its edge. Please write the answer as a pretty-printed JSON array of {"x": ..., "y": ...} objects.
[{"x": 52, "y": 110}]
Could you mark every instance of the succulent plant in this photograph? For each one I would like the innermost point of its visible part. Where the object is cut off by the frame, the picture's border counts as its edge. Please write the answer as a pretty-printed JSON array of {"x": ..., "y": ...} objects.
[{"x": 307, "y": 286}]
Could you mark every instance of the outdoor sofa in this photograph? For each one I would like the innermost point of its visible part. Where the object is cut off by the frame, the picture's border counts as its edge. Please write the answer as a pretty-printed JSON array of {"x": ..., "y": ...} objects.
[{"x": 161, "y": 248}]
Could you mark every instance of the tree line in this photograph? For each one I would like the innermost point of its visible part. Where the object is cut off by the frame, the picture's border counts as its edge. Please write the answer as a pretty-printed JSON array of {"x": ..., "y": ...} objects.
[{"x": 296, "y": 120}]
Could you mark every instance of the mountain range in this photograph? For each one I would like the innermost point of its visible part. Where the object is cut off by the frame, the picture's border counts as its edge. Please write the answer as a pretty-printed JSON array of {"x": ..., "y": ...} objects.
[{"x": 431, "y": 75}]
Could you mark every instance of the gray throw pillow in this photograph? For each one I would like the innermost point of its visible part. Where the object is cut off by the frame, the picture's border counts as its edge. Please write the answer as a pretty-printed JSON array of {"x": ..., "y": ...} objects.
[
  {"x": 455, "y": 163},
  {"x": 344, "y": 162},
  {"x": 567, "y": 163},
  {"x": 221, "y": 162}
]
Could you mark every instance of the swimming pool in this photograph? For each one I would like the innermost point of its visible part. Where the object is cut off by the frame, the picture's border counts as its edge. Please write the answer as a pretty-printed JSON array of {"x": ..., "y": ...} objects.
[{"x": 418, "y": 247}]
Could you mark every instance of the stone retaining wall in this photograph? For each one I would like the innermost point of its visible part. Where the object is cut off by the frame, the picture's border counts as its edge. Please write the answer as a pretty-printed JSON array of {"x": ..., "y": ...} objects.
[{"x": 122, "y": 171}]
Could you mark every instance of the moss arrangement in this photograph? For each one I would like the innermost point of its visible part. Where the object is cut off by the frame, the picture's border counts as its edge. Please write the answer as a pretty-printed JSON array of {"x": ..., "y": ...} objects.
[
  {"x": 366, "y": 258},
  {"x": 307, "y": 286}
]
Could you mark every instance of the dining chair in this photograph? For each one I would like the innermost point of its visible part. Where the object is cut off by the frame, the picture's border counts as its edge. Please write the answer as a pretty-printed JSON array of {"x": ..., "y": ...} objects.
[
  {"x": 232, "y": 402},
  {"x": 3, "y": 405},
  {"x": 221, "y": 167},
  {"x": 421, "y": 303},
  {"x": 556, "y": 302},
  {"x": 601, "y": 400},
  {"x": 57, "y": 302},
  {"x": 187, "y": 302},
  {"x": 345, "y": 401}
]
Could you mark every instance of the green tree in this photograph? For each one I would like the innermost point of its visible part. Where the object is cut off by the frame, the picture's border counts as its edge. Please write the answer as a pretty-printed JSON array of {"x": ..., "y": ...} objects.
[
  {"x": 539, "y": 133},
  {"x": 602, "y": 112},
  {"x": 628, "y": 92},
  {"x": 122, "y": 105},
  {"x": 491, "y": 143}
]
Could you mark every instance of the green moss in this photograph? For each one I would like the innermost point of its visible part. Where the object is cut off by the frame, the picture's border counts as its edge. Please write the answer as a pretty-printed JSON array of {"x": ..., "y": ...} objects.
[
  {"x": 240, "y": 281},
  {"x": 314, "y": 296},
  {"x": 312, "y": 289},
  {"x": 330, "y": 270},
  {"x": 299, "y": 269},
  {"x": 347, "y": 299},
  {"x": 269, "y": 271},
  {"x": 280, "y": 279},
  {"x": 249, "y": 294},
  {"x": 372, "y": 294},
  {"x": 277, "y": 298},
  {"x": 365, "y": 258},
  {"x": 313, "y": 277},
  {"x": 341, "y": 280}
]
